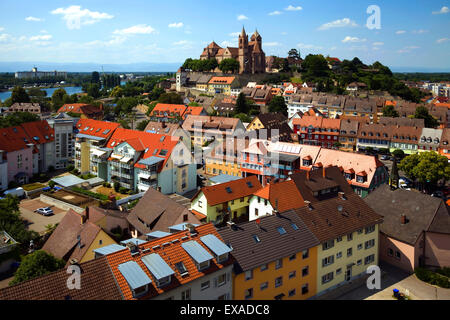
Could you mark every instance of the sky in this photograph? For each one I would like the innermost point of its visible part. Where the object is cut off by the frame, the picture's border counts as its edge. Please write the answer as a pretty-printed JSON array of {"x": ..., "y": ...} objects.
[{"x": 409, "y": 33}]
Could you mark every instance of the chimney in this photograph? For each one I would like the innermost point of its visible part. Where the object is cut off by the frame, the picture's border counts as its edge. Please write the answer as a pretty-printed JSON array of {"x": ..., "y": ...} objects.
[
  {"x": 307, "y": 175},
  {"x": 163, "y": 124},
  {"x": 258, "y": 223},
  {"x": 73, "y": 262},
  {"x": 342, "y": 194},
  {"x": 190, "y": 227},
  {"x": 87, "y": 214},
  {"x": 308, "y": 204},
  {"x": 83, "y": 219},
  {"x": 324, "y": 172},
  {"x": 403, "y": 219}
]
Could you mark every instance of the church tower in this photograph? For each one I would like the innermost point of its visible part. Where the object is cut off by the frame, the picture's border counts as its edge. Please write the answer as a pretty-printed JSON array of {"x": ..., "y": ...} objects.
[{"x": 243, "y": 52}]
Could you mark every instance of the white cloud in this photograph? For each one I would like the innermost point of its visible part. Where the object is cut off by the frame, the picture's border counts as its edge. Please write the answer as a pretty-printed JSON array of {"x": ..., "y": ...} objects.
[
  {"x": 242, "y": 17},
  {"x": 75, "y": 17},
  {"x": 1, "y": 29},
  {"x": 176, "y": 25},
  {"x": 420, "y": 31},
  {"x": 308, "y": 46},
  {"x": 400, "y": 32},
  {"x": 235, "y": 34},
  {"x": 275, "y": 13},
  {"x": 353, "y": 39},
  {"x": 44, "y": 31},
  {"x": 41, "y": 37},
  {"x": 407, "y": 49},
  {"x": 340, "y": 23},
  {"x": 284, "y": 33},
  {"x": 227, "y": 43},
  {"x": 138, "y": 29},
  {"x": 272, "y": 44},
  {"x": 378, "y": 44},
  {"x": 443, "y": 10},
  {"x": 34, "y": 19},
  {"x": 443, "y": 40},
  {"x": 4, "y": 37},
  {"x": 180, "y": 43},
  {"x": 292, "y": 8}
]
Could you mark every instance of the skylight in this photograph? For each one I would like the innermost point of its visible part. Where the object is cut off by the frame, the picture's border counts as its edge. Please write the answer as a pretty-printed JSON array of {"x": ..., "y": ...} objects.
[
  {"x": 281, "y": 230},
  {"x": 294, "y": 226},
  {"x": 155, "y": 152},
  {"x": 181, "y": 268},
  {"x": 163, "y": 152},
  {"x": 228, "y": 189},
  {"x": 86, "y": 129},
  {"x": 256, "y": 238},
  {"x": 106, "y": 131},
  {"x": 250, "y": 185}
]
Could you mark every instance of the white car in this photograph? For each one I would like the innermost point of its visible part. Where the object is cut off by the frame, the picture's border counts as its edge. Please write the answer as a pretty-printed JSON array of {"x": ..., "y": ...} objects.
[{"x": 45, "y": 211}]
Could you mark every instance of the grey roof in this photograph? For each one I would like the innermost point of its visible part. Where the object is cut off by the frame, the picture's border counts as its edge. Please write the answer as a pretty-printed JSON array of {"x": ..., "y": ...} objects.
[
  {"x": 157, "y": 266},
  {"x": 196, "y": 251},
  {"x": 130, "y": 198},
  {"x": 68, "y": 181},
  {"x": 288, "y": 157},
  {"x": 133, "y": 240},
  {"x": 215, "y": 245},
  {"x": 95, "y": 180},
  {"x": 420, "y": 211},
  {"x": 180, "y": 227},
  {"x": 223, "y": 178},
  {"x": 81, "y": 135},
  {"x": 151, "y": 161},
  {"x": 158, "y": 234},
  {"x": 109, "y": 249},
  {"x": 135, "y": 276}
]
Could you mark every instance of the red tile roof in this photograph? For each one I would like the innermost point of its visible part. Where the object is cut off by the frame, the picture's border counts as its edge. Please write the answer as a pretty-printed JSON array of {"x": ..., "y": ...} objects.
[
  {"x": 96, "y": 128},
  {"x": 81, "y": 108},
  {"x": 16, "y": 138},
  {"x": 172, "y": 254},
  {"x": 284, "y": 194}
]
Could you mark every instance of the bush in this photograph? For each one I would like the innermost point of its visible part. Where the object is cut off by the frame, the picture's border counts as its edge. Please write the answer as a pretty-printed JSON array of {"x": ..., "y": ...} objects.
[
  {"x": 70, "y": 167},
  {"x": 51, "y": 168},
  {"x": 123, "y": 190},
  {"x": 433, "y": 277},
  {"x": 51, "y": 184},
  {"x": 116, "y": 186},
  {"x": 91, "y": 194}
]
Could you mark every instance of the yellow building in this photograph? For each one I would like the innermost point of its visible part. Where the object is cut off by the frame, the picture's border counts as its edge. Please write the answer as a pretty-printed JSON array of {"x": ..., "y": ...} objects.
[
  {"x": 278, "y": 268},
  {"x": 223, "y": 160},
  {"x": 227, "y": 201},
  {"x": 222, "y": 85}
]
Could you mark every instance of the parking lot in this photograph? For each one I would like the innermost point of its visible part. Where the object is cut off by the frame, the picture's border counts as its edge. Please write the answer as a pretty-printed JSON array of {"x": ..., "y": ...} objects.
[{"x": 35, "y": 221}]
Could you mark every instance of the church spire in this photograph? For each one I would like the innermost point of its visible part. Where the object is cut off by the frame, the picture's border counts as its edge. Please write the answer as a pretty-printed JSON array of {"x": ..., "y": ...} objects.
[{"x": 243, "y": 31}]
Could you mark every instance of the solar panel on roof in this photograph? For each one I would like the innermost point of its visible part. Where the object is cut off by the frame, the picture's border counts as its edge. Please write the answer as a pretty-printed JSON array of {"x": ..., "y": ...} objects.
[
  {"x": 134, "y": 275},
  {"x": 157, "y": 266},
  {"x": 196, "y": 251},
  {"x": 215, "y": 245}
]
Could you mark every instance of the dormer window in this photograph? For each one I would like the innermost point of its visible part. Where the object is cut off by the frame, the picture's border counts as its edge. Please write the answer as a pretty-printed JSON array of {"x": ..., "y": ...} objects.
[
  {"x": 203, "y": 265},
  {"x": 436, "y": 140}
]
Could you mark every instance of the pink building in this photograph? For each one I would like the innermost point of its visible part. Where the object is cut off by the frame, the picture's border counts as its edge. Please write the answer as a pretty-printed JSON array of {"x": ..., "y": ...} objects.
[{"x": 416, "y": 228}]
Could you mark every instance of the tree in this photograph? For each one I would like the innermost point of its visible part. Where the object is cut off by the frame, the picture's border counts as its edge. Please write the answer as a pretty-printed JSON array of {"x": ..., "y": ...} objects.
[
  {"x": 426, "y": 167},
  {"x": 294, "y": 54},
  {"x": 389, "y": 111},
  {"x": 126, "y": 105},
  {"x": 398, "y": 154},
  {"x": 170, "y": 98},
  {"x": 422, "y": 113},
  {"x": 58, "y": 98},
  {"x": 36, "y": 92},
  {"x": 394, "y": 177},
  {"x": 117, "y": 92},
  {"x": 92, "y": 89},
  {"x": 316, "y": 66},
  {"x": 52, "y": 183},
  {"x": 229, "y": 65},
  {"x": 36, "y": 264},
  {"x": 241, "y": 104},
  {"x": 142, "y": 125},
  {"x": 19, "y": 95},
  {"x": 17, "y": 118},
  {"x": 95, "y": 77},
  {"x": 278, "y": 105}
]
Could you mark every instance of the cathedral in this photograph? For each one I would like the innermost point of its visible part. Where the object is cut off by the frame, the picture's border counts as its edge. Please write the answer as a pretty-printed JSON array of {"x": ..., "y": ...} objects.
[{"x": 250, "y": 55}]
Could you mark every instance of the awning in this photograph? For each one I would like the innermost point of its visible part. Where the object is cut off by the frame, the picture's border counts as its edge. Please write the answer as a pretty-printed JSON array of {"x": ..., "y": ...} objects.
[
  {"x": 144, "y": 175},
  {"x": 116, "y": 156},
  {"x": 98, "y": 153},
  {"x": 126, "y": 159}
]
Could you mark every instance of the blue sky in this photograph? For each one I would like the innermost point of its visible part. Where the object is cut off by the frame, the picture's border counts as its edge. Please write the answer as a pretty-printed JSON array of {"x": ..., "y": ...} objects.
[{"x": 120, "y": 32}]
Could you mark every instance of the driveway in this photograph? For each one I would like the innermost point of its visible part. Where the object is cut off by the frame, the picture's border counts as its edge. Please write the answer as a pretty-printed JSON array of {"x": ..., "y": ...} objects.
[
  {"x": 37, "y": 222},
  {"x": 394, "y": 278}
]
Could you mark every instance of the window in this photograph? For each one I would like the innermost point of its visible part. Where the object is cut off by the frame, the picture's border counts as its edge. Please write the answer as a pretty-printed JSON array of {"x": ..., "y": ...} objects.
[
  {"x": 294, "y": 226},
  {"x": 360, "y": 246},
  {"x": 204, "y": 285},
  {"x": 350, "y": 237},
  {"x": 327, "y": 278},
  {"x": 339, "y": 239},
  {"x": 186, "y": 295},
  {"x": 200, "y": 204},
  {"x": 278, "y": 282},
  {"x": 305, "y": 289},
  {"x": 338, "y": 271},
  {"x": 305, "y": 271},
  {"x": 349, "y": 252},
  {"x": 138, "y": 292},
  {"x": 264, "y": 286},
  {"x": 248, "y": 275},
  {"x": 293, "y": 257},
  {"x": 305, "y": 254},
  {"x": 369, "y": 259},
  {"x": 264, "y": 267},
  {"x": 339, "y": 255},
  {"x": 256, "y": 238},
  {"x": 397, "y": 255},
  {"x": 281, "y": 230},
  {"x": 359, "y": 262},
  {"x": 360, "y": 231},
  {"x": 279, "y": 264},
  {"x": 221, "y": 280},
  {"x": 249, "y": 293},
  {"x": 328, "y": 245},
  {"x": 203, "y": 265},
  {"x": 256, "y": 212},
  {"x": 292, "y": 293},
  {"x": 370, "y": 244},
  {"x": 390, "y": 252},
  {"x": 370, "y": 229},
  {"x": 292, "y": 274},
  {"x": 327, "y": 261},
  {"x": 100, "y": 242}
]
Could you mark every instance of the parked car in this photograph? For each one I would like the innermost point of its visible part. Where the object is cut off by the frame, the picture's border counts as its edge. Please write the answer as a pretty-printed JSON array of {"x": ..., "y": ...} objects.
[
  {"x": 45, "y": 211},
  {"x": 438, "y": 194},
  {"x": 385, "y": 157}
]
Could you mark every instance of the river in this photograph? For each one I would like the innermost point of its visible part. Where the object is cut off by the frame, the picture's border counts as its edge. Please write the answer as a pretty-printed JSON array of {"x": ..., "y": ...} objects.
[{"x": 69, "y": 90}]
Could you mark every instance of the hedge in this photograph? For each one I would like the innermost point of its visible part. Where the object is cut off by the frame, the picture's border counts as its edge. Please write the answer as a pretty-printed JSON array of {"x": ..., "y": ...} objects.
[
  {"x": 90, "y": 193},
  {"x": 434, "y": 278}
]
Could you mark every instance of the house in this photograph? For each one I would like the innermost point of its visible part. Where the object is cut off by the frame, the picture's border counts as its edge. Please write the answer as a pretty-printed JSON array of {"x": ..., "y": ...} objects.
[
  {"x": 375, "y": 136},
  {"x": 174, "y": 112},
  {"x": 405, "y": 138},
  {"x": 189, "y": 265},
  {"x": 157, "y": 212},
  {"x": 91, "y": 137},
  {"x": 84, "y": 111},
  {"x": 271, "y": 126},
  {"x": 64, "y": 127},
  {"x": 347, "y": 230},
  {"x": 359, "y": 107},
  {"x": 7, "y": 247},
  {"x": 202, "y": 82},
  {"x": 43, "y": 137},
  {"x": 75, "y": 238},
  {"x": 444, "y": 145},
  {"x": 403, "y": 122},
  {"x": 141, "y": 160},
  {"x": 416, "y": 228},
  {"x": 227, "y": 201},
  {"x": 205, "y": 129},
  {"x": 430, "y": 140},
  {"x": 34, "y": 108},
  {"x": 223, "y": 85},
  {"x": 317, "y": 131},
  {"x": 273, "y": 198},
  {"x": 98, "y": 284},
  {"x": 356, "y": 86},
  {"x": 348, "y": 135},
  {"x": 224, "y": 158},
  {"x": 278, "y": 268}
]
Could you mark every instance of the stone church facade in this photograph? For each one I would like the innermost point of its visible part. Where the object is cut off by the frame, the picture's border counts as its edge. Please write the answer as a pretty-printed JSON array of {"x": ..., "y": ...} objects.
[{"x": 250, "y": 55}]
